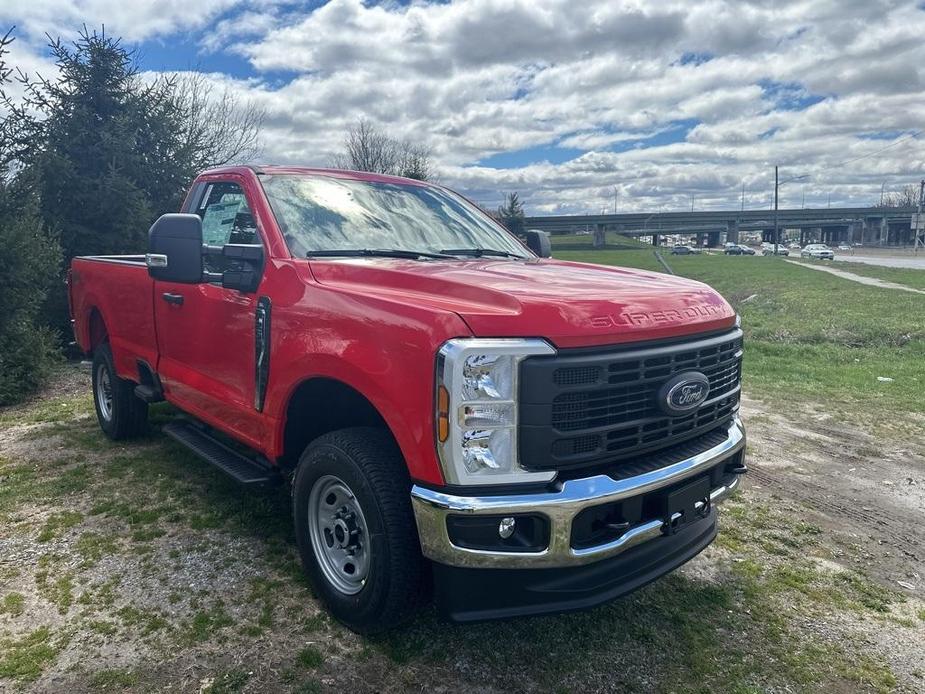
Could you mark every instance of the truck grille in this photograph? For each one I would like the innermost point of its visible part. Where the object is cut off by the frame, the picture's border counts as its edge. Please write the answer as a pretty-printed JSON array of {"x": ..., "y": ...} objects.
[{"x": 583, "y": 408}]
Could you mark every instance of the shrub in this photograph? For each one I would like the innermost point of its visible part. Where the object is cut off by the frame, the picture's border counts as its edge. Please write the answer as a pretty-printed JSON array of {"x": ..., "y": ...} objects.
[{"x": 29, "y": 263}]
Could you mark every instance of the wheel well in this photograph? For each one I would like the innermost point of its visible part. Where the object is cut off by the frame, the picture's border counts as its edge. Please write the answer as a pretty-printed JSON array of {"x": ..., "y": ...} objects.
[
  {"x": 97, "y": 329},
  {"x": 319, "y": 406}
]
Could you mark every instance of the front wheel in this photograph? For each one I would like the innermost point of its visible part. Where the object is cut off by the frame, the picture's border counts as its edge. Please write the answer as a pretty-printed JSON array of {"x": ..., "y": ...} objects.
[
  {"x": 355, "y": 528},
  {"x": 121, "y": 414}
]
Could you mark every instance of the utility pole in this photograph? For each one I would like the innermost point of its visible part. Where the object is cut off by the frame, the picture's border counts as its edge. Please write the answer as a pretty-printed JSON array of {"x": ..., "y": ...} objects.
[
  {"x": 743, "y": 196},
  {"x": 616, "y": 195},
  {"x": 692, "y": 202},
  {"x": 776, "y": 229},
  {"x": 829, "y": 203},
  {"x": 881, "y": 193},
  {"x": 919, "y": 240}
]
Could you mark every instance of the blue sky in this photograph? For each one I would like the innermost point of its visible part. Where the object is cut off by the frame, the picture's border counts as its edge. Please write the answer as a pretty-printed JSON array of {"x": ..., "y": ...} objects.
[{"x": 557, "y": 100}]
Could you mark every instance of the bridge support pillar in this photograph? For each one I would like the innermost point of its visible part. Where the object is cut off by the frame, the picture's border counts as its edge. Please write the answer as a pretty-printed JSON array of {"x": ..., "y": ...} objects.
[
  {"x": 732, "y": 232},
  {"x": 600, "y": 236},
  {"x": 713, "y": 239},
  {"x": 856, "y": 232}
]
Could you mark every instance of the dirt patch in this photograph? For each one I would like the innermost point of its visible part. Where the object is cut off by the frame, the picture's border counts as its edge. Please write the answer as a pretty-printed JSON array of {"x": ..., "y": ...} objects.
[{"x": 868, "y": 491}]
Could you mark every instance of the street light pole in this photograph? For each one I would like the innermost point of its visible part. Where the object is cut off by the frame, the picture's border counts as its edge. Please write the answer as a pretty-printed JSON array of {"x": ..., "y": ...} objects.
[{"x": 777, "y": 185}]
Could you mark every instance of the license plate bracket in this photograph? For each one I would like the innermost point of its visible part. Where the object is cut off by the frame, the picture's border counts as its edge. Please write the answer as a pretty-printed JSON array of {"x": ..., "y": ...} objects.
[{"x": 686, "y": 504}]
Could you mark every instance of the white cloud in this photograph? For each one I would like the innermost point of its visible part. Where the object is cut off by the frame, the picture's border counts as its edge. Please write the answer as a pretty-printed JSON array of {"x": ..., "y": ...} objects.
[
  {"x": 133, "y": 20},
  {"x": 793, "y": 82}
]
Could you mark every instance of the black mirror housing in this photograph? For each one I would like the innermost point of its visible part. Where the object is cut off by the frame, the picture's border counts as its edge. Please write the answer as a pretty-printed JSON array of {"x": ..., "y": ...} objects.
[
  {"x": 538, "y": 242},
  {"x": 175, "y": 249},
  {"x": 248, "y": 268}
]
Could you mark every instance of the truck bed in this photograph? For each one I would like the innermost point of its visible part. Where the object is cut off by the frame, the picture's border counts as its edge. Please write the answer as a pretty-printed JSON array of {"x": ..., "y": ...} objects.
[{"x": 113, "y": 295}]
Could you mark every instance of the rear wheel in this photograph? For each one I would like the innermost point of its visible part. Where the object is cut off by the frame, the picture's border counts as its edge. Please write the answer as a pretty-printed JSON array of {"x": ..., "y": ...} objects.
[
  {"x": 121, "y": 414},
  {"x": 355, "y": 528}
]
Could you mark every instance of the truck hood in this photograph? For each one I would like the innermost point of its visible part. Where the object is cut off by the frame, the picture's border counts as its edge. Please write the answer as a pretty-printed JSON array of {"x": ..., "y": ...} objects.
[{"x": 569, "y": 304}]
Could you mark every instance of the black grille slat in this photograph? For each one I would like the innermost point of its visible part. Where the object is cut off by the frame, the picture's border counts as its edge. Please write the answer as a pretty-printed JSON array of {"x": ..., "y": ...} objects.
[{"x": 589, "y": 407}]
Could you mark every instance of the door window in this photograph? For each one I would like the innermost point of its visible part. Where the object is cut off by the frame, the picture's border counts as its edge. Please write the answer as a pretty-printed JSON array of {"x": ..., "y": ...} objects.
[{"x": 226, "y": 218}]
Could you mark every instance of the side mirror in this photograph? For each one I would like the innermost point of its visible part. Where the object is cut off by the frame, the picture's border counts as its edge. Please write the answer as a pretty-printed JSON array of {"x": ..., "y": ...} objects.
[
  {"x": 175, "y": 249},
  {"x": 538, "y": 242},
  {"x": 247, "y": 270}
]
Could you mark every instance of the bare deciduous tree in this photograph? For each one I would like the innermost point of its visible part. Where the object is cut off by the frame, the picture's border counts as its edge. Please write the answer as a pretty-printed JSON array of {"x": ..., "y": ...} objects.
[
  {"x": 907, "y": 196},
  {"x": 219, "y": 128},
  {"x": 414, "y": 161},
  {"x": 366, "y": 148}
]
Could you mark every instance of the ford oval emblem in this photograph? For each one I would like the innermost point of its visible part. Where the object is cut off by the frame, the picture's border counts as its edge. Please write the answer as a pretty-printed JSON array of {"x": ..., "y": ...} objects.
[{"x": 683, "y": 393}]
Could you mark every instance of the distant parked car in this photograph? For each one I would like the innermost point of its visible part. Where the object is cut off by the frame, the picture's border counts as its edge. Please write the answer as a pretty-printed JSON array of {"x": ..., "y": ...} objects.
[
  {"x": 739, "y": 249},
  {"x": 794, "y": 246},
  {"x": 845, "y": 247},
  {"x": 781, "y": 250},
  {"x": 818, "y": 251},
  {"x": 685, "y": 250}
]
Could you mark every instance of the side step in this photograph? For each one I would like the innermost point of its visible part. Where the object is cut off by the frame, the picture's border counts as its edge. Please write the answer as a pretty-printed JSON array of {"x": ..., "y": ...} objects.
[
  {"x": 243, "y": 469},
  {"x": 148, "y": 393}
]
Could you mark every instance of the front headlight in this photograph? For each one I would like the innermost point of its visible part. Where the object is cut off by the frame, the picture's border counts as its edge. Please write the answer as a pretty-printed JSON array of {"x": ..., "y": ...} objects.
[{"x": 476, "y": 409}]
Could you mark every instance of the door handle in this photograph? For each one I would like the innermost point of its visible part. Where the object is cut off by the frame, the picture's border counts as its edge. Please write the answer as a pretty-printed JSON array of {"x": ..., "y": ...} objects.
[{"x": 176, "y": 299}]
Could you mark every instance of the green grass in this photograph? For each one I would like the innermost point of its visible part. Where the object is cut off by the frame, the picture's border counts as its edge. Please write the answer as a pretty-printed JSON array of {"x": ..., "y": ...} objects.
[
  {"x": 113, "y": 680},
  {"x": 905, "y": 276},
  {"x": 228, "y": 682},
  {"x": 310, "y": 657},
  {"x": 12, "y": 604},
  {"x": 48, "y": 411},
  {"x": 57, "y": 523},
  {"x": 204, "y": 624},
  {"x": 25, "y": 658},
  {"x": 811, "y": 335},
  {"x": 612, "y": 240}
]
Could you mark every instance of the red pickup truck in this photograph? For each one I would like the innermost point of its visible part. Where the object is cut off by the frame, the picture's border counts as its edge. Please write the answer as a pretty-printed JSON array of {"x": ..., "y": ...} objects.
[{"x": 455, "y": 411}]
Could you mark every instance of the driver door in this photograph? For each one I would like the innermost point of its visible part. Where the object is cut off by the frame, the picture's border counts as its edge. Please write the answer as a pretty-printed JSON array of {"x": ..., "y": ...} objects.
[{"x": 205, "y": 332}]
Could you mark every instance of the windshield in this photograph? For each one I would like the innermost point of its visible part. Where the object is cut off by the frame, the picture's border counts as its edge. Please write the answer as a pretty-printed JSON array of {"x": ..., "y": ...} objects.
[{"x": 322, "y": 213}]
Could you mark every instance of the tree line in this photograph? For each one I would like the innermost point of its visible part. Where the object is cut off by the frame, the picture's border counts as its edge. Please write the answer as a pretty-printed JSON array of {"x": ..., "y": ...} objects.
[
  {"x": 88, "y": 159},
  {"x": 91, "y": 157}
]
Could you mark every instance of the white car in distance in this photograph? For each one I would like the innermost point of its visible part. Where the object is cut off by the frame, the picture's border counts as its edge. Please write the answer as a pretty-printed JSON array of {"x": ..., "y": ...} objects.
[{"x": 818, "y": 251}]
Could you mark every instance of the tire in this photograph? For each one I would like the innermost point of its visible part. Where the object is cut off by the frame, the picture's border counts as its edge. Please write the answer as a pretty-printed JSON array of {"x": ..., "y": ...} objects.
[
  {"x": 367, "y": 464},
  {"x": 121, "y": 415}
]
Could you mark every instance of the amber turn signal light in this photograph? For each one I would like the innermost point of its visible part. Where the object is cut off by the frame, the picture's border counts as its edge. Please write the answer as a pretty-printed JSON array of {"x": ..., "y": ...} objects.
[{"x": 443, "y": 414}]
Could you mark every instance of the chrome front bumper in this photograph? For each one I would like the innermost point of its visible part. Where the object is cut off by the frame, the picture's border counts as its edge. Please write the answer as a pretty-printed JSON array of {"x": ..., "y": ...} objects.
[{"x": 431, "y": 508}]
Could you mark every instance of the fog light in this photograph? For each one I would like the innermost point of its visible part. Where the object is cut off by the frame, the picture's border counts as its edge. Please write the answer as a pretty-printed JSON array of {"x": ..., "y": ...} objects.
[
  {"x": 522, "y": 533},
  {"x": 506, "y": 527}
]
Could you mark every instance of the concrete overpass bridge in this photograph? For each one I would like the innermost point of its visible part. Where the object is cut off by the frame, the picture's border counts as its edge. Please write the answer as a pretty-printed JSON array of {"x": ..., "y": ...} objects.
[{"x": 886, "y": 226}]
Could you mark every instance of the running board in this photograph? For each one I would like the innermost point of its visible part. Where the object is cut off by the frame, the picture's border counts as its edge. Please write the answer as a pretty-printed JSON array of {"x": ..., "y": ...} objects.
[{"x": 248, "y": 471}]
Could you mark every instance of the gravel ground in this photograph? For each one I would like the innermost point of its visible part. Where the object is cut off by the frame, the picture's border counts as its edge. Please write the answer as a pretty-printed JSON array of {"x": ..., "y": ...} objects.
[{"x": 136, "y": 567}]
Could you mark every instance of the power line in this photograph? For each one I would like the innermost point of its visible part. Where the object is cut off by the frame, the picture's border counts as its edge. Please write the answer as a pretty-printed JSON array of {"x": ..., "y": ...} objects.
[
  {"x": 874, "y": 153},
  {"x": 849, "y": 161}
]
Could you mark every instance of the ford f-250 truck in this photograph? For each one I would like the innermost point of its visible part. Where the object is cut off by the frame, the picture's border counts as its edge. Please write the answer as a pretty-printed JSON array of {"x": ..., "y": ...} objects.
[{"x": 455, "y": 411}]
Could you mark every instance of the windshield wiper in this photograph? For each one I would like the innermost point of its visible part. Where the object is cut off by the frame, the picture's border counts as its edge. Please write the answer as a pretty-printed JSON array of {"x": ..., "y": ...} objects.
[
  {"x": 479, "y": 252},
  {"x": 375, "y": 253}
]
